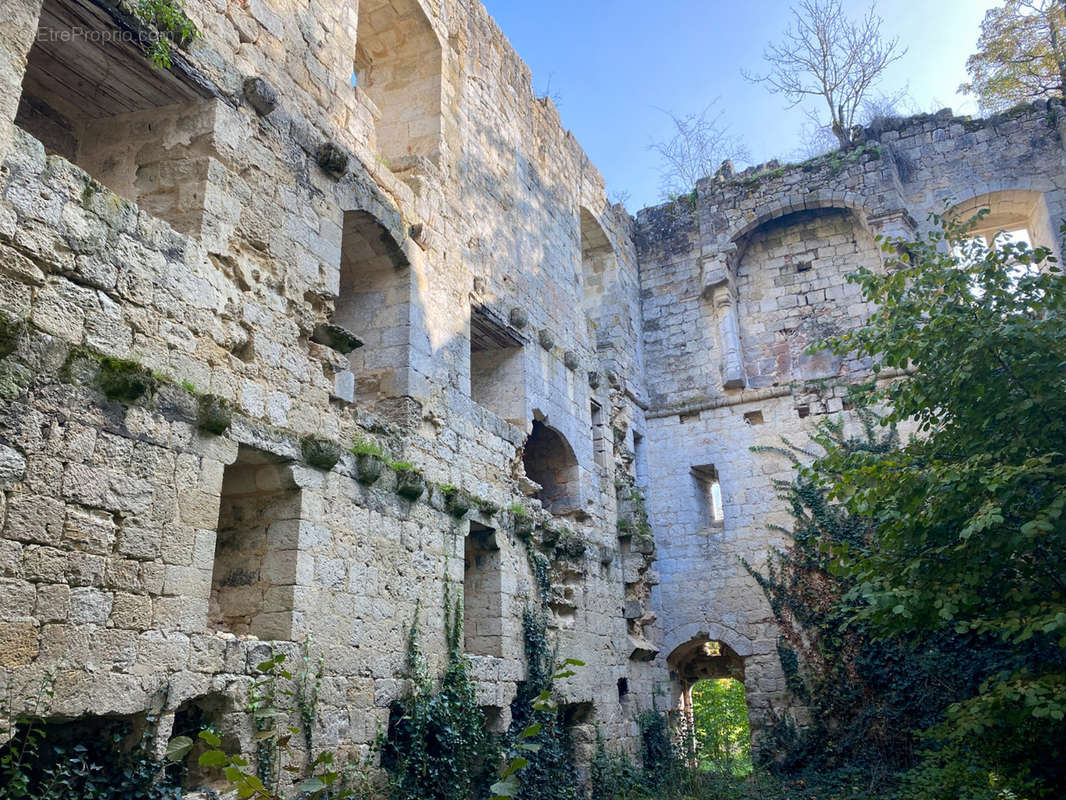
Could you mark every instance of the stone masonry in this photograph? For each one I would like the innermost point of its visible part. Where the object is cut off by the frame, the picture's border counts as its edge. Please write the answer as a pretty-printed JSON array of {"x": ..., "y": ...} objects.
[{"x": 332, "y": 318}]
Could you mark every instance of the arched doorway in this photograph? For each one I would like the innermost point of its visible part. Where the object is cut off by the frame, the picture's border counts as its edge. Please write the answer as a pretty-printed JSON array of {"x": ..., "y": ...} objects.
[{"x": 711, "y": 711}]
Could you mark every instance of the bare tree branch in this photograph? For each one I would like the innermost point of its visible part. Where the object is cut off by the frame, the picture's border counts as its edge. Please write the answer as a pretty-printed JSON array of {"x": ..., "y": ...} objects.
[
  {"x": 826, "y": 55},
  {"x": 701, "y": 142}
]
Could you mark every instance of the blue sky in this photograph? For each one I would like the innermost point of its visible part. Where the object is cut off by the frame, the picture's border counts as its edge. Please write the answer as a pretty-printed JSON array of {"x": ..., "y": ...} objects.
[{"x": 612, "y": 64}]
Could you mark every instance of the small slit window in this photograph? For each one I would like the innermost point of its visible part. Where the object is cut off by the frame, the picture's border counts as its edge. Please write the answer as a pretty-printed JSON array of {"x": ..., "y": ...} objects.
[{"x": 708, "y": 489}]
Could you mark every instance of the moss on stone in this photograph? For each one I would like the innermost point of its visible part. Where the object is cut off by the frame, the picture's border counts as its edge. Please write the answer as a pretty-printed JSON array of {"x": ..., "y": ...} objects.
[
  {"x": 456, "y": 501},
  {"x": 11, "y": 328},
  {"x": 214, "y": 414},
  {"x": 320, "y": 453},
  {"x": 124, "y": 381},
  {"x": 409, "y": 481},
  {"x": 368, "y": 467},
  {"x": 570, "y": 545}
]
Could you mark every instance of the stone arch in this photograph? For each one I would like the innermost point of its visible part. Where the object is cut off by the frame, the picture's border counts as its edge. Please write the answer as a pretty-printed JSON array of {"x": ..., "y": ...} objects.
[
  {"x": 704, "y": 656},
  {"x": 741, "y": 232},
  {"x": 374, "y": 304},
  {"x": 398, "y": 69},
  {"x": 1011, "y": 207},
  {"x": 739, "y": 644},
  {"x": 698, "y": 658},
  {"x": 597, "y": 259},
  {"x": 549, "y": 461}
]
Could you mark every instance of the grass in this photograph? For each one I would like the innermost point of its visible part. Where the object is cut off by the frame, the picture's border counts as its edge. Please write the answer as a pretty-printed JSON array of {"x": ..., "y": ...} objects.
[{"x": 363, "y": 446}]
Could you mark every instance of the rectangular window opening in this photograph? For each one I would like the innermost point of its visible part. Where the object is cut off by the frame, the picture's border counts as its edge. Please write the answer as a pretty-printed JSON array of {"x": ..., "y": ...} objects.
[
  {"x": 482, "y": 593},
  {"x": 754, "y": 418},
  {"x": 599, "y": 440},
  {"x": 710, "y": 512},
  {"x": 257, "y": 554},
  {"x": 92, "y": 97},
  {"x": 497, "y": 369},
  {"x": 640, "y": 461}
]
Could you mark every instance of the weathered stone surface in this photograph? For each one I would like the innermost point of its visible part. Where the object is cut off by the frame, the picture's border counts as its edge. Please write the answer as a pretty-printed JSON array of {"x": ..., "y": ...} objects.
[
  {"x": 260, "y": 95},
  {"x": 336, "y": 338}
]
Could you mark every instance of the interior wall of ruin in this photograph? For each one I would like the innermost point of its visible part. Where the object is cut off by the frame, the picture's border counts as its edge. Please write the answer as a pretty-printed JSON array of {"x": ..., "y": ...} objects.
[
  {"x": 750, "y": 278},
  {"x": 648, "y": 346}
]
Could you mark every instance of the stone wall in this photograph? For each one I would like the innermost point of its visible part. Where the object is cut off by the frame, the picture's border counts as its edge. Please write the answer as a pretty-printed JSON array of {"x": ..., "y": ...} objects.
[
  {"x": 736, "y": 286},
  {"x": 294, "y": 338},
  {"x": 179, "y": 381}
]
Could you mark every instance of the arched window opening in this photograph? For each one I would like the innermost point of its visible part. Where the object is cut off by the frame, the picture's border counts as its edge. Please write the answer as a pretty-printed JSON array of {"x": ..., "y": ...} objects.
[
  {"x": 550, "y": 462},
  {"x": 96, "y": 100},
  {"x": 374, "y": 304},
  {"x": 398, "y": 70},
  {"x": 1017, "y": 216},
  {"x": 597, "y": 261}
]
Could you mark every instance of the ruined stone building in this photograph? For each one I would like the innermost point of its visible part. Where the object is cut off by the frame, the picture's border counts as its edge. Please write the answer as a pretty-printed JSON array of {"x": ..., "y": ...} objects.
[{"x": 333, "y": 312}]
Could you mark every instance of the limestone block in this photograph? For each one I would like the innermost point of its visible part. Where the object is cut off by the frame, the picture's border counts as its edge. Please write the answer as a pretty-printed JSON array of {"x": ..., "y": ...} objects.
[
  {"x": 17, "y": 599},
  {"x": 32, "y": 518},
  {"x": 12, "y": 467},
  {"x": 131, "y": 611},
  {"x": 18, "y": 643},
  {"x": 89, "y": 605},
  {"x": 91, "y": 530},
  {"x": 53, "y": 603}
]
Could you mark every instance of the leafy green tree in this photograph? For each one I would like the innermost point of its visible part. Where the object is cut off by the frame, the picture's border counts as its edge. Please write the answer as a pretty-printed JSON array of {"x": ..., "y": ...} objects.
[
  {"x": 720, "y": 725},
  {"x": 1021, "y": 54},
  {"x": 967, "y": 532}
]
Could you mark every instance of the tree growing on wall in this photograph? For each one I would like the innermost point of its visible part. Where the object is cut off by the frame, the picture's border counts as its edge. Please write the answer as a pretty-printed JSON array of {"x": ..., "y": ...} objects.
[
  {"x": 699, "y": 144},
  {"x": 828, "y": 56},
  {"x": 1021, "y": 54}
]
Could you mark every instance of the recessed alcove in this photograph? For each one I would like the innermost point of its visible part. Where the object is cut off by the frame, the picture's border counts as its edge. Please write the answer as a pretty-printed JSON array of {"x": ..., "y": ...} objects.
[{"x": 91, "y": 96}]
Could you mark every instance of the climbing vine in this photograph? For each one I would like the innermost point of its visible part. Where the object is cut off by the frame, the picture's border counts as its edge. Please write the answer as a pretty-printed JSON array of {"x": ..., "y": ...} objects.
[
  {"x": 550, "y": 773},
  {"x": 436, "y": 746}
]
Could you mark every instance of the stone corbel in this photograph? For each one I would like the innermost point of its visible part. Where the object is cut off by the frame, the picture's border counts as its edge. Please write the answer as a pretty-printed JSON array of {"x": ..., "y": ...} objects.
[
  {"x": 719, "y": 288},
  {"x": 893, "y": 224}
]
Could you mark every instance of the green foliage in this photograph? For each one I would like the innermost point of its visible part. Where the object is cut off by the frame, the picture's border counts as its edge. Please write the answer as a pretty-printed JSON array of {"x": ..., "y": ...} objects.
[
  {"x": 667, "y": 773},
  {"x": 537, "y": 735},
  {"x": 1021, "y": 55},
  {"x": 721, "y": 734},
  {"x": 171, "y": 25},
  {"x": 59, "y": 762},
  {"x": 436, "y": 745},
  {"x": 124, "y": 381},
  {"x": 362, "y": 445},
  {"x": 272, "y": 703},
  {"x": 966, "y": 530}
]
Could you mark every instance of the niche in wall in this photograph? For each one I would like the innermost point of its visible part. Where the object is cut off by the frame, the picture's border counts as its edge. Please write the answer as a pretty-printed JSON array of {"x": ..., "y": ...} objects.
[{"x": 90, "y": 96}]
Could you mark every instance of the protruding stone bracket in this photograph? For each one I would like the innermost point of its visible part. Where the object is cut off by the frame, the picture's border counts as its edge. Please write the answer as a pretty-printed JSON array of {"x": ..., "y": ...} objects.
[
  {"x": 719, "y": 288},
  {"x": 336, "y": 338},
  {"x": 893, "y": 224}
]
